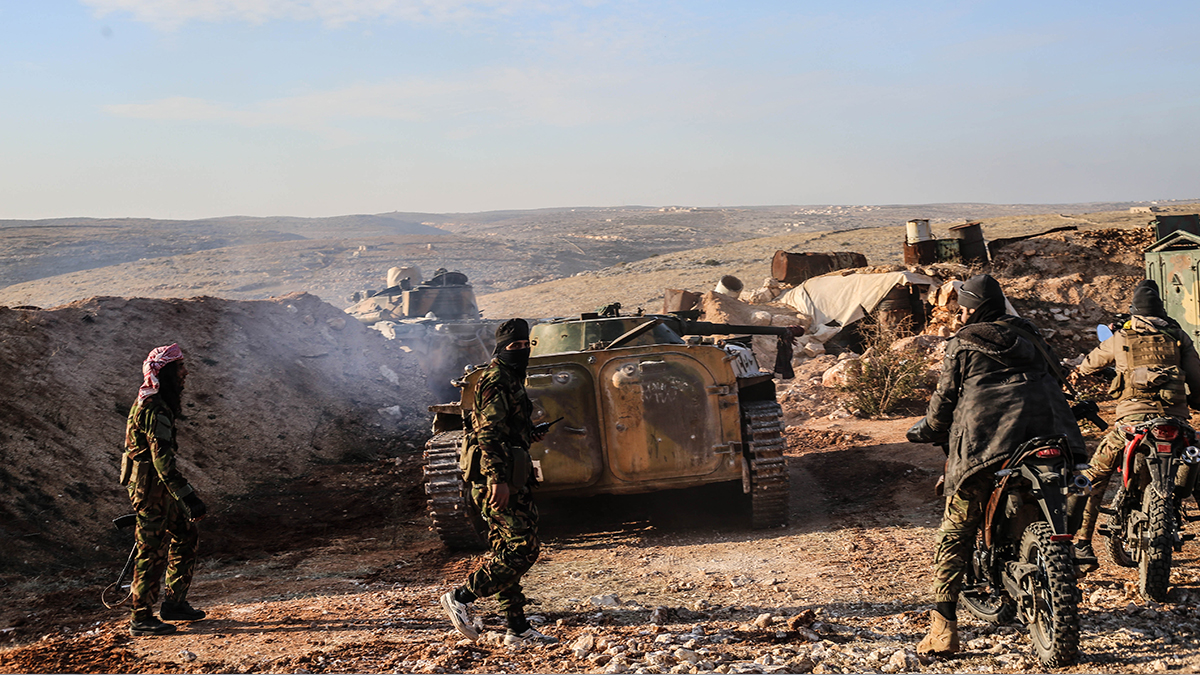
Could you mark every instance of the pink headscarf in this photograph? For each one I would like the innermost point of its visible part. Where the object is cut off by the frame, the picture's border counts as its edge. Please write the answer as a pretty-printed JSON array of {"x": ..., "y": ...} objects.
[{"x": 155, "y": 360}]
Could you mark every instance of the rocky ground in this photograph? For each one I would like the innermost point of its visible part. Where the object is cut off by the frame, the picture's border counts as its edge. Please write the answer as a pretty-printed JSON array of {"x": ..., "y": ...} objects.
[
  {"x": 304, "y": 435},
  {"x": 635, "y": 584}
]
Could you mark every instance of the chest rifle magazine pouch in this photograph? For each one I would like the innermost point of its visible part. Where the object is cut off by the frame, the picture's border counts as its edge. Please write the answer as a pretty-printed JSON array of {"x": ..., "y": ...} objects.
[
  {"x": 468, "y": 461},
  {"x": 522, "y": 468},
  {"x": 126, "y": 468}
]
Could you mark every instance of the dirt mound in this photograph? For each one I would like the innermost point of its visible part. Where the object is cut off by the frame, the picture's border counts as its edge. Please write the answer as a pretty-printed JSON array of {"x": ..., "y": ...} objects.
[
  {"x": 801, "y": 441},
  {"x": 275, "y": 386},
  {"x": 1090, "y": 270}
]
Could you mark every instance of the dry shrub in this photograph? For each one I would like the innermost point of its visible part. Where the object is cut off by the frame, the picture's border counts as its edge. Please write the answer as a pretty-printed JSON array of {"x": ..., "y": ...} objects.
[{"x": 884, "y": 381}]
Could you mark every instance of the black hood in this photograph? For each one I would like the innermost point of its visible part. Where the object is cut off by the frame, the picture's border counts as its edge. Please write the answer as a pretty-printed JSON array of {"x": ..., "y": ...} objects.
[
  {"x": 982, "y": 293},
  {"x": 1146, "y": 300}
]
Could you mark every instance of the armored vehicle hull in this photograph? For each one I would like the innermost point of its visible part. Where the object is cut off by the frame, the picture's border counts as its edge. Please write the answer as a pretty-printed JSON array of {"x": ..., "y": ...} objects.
[{"x": 642, "y": 410}]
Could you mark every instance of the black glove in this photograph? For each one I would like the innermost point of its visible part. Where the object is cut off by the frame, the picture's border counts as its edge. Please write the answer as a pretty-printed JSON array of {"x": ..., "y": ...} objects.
[
  {"x": 921, "y": 432},
  {"x": 194, "y": 507},
  {"x": 1088, "y": 410}
]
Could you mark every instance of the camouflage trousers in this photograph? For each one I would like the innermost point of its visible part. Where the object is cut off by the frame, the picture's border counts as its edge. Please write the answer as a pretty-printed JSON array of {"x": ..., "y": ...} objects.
[
  {"x": 1104, "y": 464},
  {"x": 166, "y": 542},
  {"x": 956, "y": 535},
  {"x": 513, "y": 540}
]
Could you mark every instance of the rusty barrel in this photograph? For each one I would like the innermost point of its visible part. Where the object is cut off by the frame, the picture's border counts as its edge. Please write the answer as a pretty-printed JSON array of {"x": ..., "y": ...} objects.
[
  {"x": 920, "y": 253},
  {"x": 796, "y": 268},
  {"x": 971, "y": 245}
]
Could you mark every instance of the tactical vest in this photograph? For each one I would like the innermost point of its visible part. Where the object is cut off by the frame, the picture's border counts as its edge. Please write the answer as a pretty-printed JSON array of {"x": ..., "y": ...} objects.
[{"x": 1148, "y": 369}]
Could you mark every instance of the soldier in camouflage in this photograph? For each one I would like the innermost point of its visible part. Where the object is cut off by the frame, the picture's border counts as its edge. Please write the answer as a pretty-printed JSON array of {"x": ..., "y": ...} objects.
[
  {"x": 167, "y": 507},
  {"x": 496, "y": 463},
  {"x": 996, "y": 391}
]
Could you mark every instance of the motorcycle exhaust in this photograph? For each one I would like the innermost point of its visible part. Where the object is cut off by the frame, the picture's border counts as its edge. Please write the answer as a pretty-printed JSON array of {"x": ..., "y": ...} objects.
[
  {"x": 1191, "y": 455},
  {"x": 1081, "y": 483}
]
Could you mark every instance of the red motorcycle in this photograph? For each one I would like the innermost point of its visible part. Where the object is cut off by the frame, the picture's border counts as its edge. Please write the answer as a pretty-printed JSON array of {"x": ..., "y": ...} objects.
[{"x": 1145, "y": 518}]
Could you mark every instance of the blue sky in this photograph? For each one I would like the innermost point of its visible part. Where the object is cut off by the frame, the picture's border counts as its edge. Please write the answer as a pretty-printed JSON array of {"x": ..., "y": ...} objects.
[{"x": 197, "y": 108}]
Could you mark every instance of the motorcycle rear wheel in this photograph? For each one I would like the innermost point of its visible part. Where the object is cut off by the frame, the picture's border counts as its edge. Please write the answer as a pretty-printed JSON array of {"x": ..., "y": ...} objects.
[
  {"x": 1054, "y": 627},
  {"x": 1154, "y": 570}
]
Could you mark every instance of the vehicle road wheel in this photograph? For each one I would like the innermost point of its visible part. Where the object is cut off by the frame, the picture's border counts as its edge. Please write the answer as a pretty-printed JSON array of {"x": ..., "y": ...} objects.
[
  {"x": 455, "y": 518},
  {"x": 1054, "y": 624},
  {"x": 762, "y": 431},
  {"x": 1154, "y": 569}
]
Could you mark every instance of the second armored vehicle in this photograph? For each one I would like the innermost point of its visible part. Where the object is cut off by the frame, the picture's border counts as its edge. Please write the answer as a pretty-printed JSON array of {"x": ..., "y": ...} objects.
[{"x": 437, "y": 319}]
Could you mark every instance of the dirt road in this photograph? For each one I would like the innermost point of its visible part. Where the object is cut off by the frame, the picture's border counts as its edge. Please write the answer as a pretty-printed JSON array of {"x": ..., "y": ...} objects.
[{"x": 666, "y": 583}]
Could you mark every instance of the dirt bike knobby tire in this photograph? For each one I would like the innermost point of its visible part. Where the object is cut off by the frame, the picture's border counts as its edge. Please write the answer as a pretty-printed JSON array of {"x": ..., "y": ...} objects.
[
  {"x": 1154, "y": 570},
  {"x": 1118, "y": 537},
  {"x": 1055, "y": 633},
  {"x": 997, "y": 609}
]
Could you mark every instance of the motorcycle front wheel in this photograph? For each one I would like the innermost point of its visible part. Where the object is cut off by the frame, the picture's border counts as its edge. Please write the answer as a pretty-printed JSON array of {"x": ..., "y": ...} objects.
[
  {"x": 1118, "y": 538},
  {"x": 992, "y": 605},
  {"x": 1154, "y": 569},
  {"x": 1054, "y": 624}
]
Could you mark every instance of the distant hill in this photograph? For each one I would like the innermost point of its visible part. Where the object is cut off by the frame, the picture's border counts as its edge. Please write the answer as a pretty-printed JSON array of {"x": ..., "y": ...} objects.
[{"x": 51, "y": 262}]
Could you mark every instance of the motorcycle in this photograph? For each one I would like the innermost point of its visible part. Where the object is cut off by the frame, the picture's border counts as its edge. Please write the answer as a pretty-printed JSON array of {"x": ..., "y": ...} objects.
[
  {"x": 1022, "y": 565},
  {"x": 1145, "y": 519}
]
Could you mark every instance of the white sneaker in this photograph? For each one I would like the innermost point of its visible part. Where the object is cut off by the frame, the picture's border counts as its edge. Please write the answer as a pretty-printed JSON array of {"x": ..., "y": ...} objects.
[
  {"x": 530, "y": 635},
  {"x": 459, "y": 615}
]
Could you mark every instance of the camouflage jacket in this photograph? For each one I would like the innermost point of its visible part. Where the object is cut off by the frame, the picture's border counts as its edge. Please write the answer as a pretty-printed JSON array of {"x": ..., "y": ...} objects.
[
  {"x": 1115, "y": 352},
  {"x": 498, "y": 428},
  {"x": 150, "y": 442}
]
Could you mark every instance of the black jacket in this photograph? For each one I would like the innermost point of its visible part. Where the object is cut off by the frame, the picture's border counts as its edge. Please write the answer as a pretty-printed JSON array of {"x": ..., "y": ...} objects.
[{"x": 995, "y": 392}]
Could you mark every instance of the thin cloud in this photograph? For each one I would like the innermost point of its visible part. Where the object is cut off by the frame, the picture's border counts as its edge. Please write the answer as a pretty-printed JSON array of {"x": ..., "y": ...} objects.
[
  {"x": 170, "y": 14},
  {"x": 497, "y": 98}
]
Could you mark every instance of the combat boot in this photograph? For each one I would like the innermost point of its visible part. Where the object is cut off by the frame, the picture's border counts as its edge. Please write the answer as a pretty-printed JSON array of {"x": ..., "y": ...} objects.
[
  {"x": 942, "y": 637},
  {"x": 1085, "y": 557},
  {"x": 149, "y": 626},
  {"x": 180, "y": 611}
]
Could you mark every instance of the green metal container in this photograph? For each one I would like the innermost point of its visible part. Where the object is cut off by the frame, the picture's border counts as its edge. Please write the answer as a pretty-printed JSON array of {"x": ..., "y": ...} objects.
[{"x": 1173, "y": 262}]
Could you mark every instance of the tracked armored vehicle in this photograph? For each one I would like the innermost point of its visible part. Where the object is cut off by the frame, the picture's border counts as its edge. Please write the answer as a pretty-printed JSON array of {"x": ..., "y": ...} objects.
[
  {"x": 647, "y": 404},
  {"x": 437, "y": 319}
]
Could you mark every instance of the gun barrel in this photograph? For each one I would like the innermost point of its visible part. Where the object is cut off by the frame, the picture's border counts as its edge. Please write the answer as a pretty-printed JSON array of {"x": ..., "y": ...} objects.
[{"x": 709, "y": 328}]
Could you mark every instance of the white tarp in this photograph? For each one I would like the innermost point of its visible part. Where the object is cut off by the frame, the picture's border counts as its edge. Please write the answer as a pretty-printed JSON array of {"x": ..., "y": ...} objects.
[{"x": 846, "y": 299}]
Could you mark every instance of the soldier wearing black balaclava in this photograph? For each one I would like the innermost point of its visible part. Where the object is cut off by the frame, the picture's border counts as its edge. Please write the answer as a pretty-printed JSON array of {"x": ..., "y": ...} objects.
[
  {"x": 1148, "y": 340},
  {"x": 496, "y": 462},
  {"x": 995, "y": 392}
]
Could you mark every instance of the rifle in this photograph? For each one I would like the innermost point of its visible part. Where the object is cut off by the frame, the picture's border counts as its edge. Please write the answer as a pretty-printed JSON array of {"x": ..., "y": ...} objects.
[{"x": 121, "y": 522}]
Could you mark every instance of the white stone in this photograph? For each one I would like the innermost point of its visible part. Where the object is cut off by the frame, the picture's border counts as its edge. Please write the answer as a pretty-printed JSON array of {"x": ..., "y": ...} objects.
[
  {"x": 606, "y": 600},
  {"x": 687, "y": 655},
  {"x": 660, "y": 658},
  {"x": 584, "y": 643}
]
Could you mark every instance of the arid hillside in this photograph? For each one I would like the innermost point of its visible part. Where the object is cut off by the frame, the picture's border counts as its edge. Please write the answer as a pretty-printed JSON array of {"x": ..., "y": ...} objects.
[
  {"x": 52, "y": 262},
  {"x": 275, "y": 386}
]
